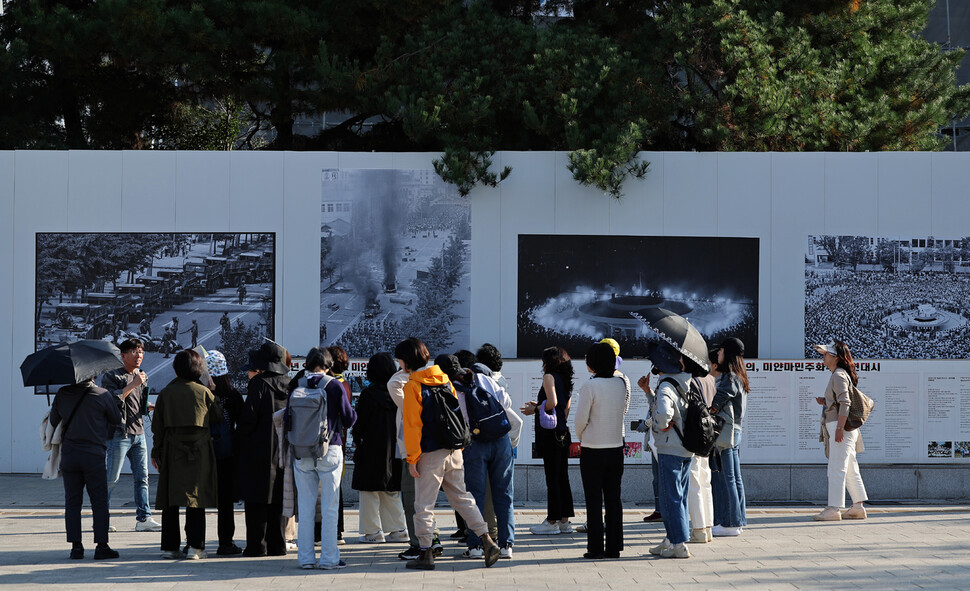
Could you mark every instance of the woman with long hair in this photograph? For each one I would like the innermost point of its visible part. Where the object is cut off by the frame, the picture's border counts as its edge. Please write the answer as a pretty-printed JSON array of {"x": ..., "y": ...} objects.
[
  {"x": 729, "y": 402},
  {"x": 553, "y": 444},
  {"x": 840, "y": 445}
]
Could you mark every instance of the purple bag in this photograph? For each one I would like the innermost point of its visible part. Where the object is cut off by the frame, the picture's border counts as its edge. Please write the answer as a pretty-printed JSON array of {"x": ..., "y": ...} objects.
[{"x": 547, "y": 420}]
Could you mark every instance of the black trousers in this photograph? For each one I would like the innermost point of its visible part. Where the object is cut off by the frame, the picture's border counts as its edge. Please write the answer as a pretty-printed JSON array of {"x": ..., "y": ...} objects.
[
  {"x": 82, "y": 470},
  {"x": 226, "y": 525},
  {"x": 264, "y": 524},
  {"x": 559, "y": 494},
  {"x": 602, "y": 472},
  {"x": 194, "y": 528}
]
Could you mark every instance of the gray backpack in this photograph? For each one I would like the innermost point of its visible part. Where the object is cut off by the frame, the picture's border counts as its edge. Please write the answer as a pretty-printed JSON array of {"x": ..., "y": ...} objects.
[{"x": 307, "y": 429}]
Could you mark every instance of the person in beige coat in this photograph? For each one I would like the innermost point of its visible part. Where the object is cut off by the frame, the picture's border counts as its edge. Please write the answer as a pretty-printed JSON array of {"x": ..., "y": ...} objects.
[{"x": 841, "y": 446}]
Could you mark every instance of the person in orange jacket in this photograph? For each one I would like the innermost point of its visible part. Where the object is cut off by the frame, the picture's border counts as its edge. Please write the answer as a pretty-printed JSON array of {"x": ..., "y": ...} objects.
[{"x": 433, "y": 466}]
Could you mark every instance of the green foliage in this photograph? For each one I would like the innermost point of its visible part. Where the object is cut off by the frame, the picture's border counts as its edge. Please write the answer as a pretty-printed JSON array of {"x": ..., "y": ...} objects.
[
  {"x": 602, "y": 81},
  {"x": 466, "y": 169}
]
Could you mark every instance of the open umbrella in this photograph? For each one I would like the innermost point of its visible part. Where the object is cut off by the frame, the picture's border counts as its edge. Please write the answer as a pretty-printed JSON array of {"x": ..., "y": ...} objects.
[
  {"x": 677, "y": 332},
  {"x": 69, "y": 363}
]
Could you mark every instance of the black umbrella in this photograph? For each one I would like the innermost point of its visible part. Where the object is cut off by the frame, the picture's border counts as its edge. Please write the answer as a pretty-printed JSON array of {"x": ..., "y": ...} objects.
[
  {"x": 677, "y": 332},
  {"x": 69, "y": 363}
]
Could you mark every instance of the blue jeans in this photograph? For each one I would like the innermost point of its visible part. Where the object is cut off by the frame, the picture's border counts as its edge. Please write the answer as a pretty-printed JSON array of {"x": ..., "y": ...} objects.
[
  {"x": 728, "y": 490},
  {"x": 135, "y": 448},
  {"x": 308, "y": 475},
  {"x": 654, "y": 469},
  {"x": 491, "y": 459},
  {"x": 674, "y": 478}
]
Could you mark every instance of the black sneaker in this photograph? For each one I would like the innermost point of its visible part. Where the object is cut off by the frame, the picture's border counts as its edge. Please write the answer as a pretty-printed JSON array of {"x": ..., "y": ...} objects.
[
  {"x": 77, "y": 553},
  {"x": 105, "y": 553},
  {"x": 412, "y": 553},
  {"x": 458, "y": 535},
  {"x": 436, "y": 548},
  {"x": 230, "y": 550}
]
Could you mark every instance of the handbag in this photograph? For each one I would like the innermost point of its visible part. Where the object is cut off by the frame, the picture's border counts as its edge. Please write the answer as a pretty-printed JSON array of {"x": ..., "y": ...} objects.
[
  {"x": 547, "y": 420},
  {"x": 860, "y": 406}
]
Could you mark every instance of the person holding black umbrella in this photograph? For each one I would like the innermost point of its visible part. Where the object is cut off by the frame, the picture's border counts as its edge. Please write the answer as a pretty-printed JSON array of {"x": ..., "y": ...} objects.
[{"x": 88, "y": 413}]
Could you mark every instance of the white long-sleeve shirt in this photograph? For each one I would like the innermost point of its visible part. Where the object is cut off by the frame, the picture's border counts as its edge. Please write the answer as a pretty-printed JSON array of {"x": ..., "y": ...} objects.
[{"x": 601, "y": 407}]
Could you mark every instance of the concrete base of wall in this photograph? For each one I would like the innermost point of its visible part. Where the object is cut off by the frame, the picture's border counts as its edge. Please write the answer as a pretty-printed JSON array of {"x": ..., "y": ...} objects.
[{"x": 766, "y": 483}]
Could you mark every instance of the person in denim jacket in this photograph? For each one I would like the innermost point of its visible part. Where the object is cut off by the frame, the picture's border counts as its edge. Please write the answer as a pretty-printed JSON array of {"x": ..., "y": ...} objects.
[{"x": 729, "y": 403}]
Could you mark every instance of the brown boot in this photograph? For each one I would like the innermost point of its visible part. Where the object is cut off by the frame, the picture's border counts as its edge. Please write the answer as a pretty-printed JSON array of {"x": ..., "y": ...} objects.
[
  {"x": 492, "y": 551},
  {"x": 423, "y": 562}
]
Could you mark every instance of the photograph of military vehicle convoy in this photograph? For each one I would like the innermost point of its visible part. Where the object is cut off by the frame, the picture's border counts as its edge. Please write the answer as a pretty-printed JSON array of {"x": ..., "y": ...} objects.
[{"x": 171, "y": 291}]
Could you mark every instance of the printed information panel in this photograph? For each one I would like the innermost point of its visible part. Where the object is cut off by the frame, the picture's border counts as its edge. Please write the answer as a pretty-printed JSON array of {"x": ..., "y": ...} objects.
[{"x": 922, "y": 412}]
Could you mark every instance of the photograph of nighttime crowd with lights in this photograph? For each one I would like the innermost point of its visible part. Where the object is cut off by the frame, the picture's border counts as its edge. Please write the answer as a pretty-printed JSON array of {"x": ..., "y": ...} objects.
[{"x": 575, "y": 289}]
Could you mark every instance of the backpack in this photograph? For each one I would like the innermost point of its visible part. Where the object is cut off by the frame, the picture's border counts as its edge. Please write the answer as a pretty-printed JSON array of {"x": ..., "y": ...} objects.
[
  {"x": 447, "y": 423},
  {"x": 700, "y": 427},
  {"x": 486, "y": 416},
  {"x": 221, "y": 436},
  {"x": 305, "y": 422}
]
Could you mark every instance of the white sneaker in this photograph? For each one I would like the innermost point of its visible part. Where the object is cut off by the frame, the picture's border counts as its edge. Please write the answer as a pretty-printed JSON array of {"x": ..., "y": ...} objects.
[
  {"x": 377, "y": 538},
  {"x": 195, "y": 554},
  {"x": 473, "y": 553},
  {"x": 112, "y": 528},
  {"x": 398, "y": 536},
  {"x": 546, "y": 528},
  {"x": 291, "y": 546},
  {"x": 147, "y": 525},
  {"x": 505, "y": 552},
  {"x": 664, "y": 545},
  {"x": 676, "y": 551},
  {"x": 719, "y": 531},
  {"x": 565, "y": 527}
]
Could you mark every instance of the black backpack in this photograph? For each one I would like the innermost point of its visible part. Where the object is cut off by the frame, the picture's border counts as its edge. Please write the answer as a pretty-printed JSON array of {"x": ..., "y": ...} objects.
[
  {"x": 700, "y": 427},
  {"x": 447, "y": 423},
  {"x": 486, "y": 417}
]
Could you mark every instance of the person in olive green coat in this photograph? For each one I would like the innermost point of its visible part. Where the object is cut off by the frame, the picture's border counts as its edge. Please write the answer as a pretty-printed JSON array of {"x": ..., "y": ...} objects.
[{"x": 183, "y": 455}]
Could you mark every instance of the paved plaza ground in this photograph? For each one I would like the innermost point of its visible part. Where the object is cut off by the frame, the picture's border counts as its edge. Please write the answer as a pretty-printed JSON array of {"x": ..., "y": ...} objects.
[{"x": 898, "y": 547}]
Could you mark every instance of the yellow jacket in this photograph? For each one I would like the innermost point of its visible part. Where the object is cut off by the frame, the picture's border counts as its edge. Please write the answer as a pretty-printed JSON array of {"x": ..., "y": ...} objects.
[{"x": 414, "y": 437}]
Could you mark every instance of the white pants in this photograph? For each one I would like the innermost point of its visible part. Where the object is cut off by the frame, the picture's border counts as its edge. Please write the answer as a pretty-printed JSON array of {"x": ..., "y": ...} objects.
[
  {"x": 381, "y": 511},
  {"x": 843, "y": 469},
  {"x": 700, "y": 502}
]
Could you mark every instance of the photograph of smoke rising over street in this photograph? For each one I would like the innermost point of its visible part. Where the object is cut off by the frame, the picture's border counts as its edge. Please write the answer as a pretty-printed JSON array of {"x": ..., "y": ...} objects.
[
  {"x": 394, "y": 261},
  {"x": 575, "y": 290},
  {"x": 172, "y": 291}
]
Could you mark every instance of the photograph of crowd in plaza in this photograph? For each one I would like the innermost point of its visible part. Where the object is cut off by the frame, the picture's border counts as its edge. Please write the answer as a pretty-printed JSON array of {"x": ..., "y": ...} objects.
[
  {"x": 939, "y": 449},
  {"x": 171, "y": 291},
  {"x": 394, "y": 261},
  {"x": 573, "y": 290},
  {"x": 889, "y": 298}
]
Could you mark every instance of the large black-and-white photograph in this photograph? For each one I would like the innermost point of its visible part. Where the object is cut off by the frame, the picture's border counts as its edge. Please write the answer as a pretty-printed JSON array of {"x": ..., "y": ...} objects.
[
  {"x": 171, "y": 291},
  {"x": 889, "y": 298},
  {"x": 394, "y": 261},
  {"x": 577, "y": 289}
]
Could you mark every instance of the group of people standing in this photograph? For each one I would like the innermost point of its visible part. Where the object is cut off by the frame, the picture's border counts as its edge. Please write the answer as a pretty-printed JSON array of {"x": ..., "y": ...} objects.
[{"x": 212, "y": 448}]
